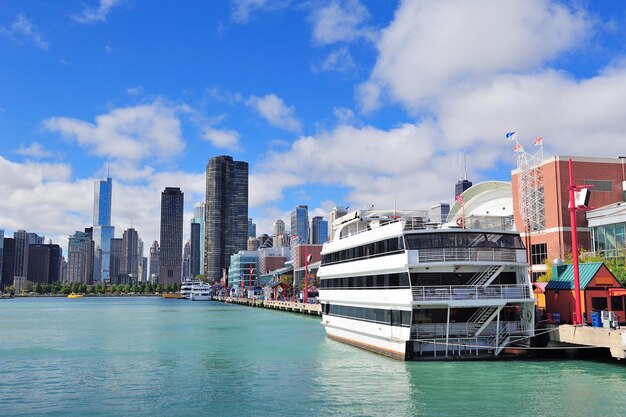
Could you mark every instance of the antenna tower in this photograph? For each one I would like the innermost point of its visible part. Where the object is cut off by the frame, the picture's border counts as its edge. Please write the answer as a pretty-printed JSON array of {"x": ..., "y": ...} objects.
[{"x": 530, "y": 182}]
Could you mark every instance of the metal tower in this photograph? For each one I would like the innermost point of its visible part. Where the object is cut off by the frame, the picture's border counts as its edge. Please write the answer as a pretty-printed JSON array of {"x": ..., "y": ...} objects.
[{"x": 530, "y": 182}]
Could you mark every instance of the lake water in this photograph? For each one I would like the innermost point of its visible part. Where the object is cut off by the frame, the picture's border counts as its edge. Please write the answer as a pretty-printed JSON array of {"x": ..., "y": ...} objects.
[{"x": 148, "y": 356}]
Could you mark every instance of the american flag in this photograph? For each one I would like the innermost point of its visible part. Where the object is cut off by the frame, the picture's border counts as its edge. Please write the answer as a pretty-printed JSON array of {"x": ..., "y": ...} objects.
[{"x": 459, "y": 198}]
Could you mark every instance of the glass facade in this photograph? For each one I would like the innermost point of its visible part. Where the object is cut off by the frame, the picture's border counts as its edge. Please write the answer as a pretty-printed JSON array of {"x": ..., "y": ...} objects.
[
  {"x": 242, "y": 273},
  {"x": 609, "y": 240},
  {"x": 319, "y": 230},
  {"x": 300, "y": 225},
  {"x": 103, "y": 232},
  {"x": 171, "y": 255}
]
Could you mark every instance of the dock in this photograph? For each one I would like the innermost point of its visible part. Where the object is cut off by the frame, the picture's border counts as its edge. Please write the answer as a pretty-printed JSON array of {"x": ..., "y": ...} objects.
[
  {"x": 565, "y": 335},
  {"x": 291, "y": 306}
]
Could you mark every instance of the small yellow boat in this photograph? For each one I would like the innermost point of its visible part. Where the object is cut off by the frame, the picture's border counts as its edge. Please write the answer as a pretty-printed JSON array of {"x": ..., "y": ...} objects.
[
  {"x": 172, "y": 295},
  {"x": 74, "y": 295}
]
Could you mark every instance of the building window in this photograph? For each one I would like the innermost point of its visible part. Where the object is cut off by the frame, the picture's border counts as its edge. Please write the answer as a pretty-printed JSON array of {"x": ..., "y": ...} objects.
[
  {"x": 598, "y": 185},
  {"x": 598, "y": 303},
  {"x": 539, "y": 253},
  {"x": 617, "y": 303}
]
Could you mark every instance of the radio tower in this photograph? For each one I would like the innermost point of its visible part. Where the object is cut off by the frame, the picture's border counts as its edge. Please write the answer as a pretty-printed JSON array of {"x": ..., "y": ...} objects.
[{"x": 530, "y": 181}]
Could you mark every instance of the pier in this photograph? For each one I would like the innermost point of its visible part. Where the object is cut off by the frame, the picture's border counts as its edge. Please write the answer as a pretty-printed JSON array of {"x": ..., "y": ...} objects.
[
  {"x": 291, "y": 306},
  {"x": 613, "y": 339}
]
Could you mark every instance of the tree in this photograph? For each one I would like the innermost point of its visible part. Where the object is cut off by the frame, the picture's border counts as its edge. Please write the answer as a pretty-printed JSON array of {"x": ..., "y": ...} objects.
[
  {"x": 9, "y": 289},
  {"x": 38, "y": 288}
]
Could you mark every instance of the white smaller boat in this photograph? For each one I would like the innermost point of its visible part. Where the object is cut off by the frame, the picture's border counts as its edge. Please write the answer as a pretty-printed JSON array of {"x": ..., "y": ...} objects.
[
  {"x": 200, "y": 292},
  {"x": 187, "y": 285}
]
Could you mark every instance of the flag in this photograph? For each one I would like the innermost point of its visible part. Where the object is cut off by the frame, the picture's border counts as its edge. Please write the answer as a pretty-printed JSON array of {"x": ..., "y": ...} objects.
[
  {"x": 511, "y": 136},
  {"x": 251, "y": 270},
  {"x": 518, "y": 148},
  {"x": 459, "y": 198},
  {"x": 538, "y": 141}
]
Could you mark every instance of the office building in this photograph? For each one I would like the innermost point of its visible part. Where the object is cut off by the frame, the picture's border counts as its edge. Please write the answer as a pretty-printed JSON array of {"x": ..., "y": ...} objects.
[
  {"x": 199, "y": 210},
  {"x": 8, "y": 262},
  {"x": 79, "y": 258},
  {"x": 195, "y": 249},
  {"x": 170, "y": 258},
  {"x": 319, "y": 230},
  {"x": 251, "y": 228},
  {"x": 1, "y": 255},
  {"x": 186, "y": 260},
  {"x": 300, "y": 225},
  {"x": 154, "y": 261},
  {"x": 115, "y": 260},
  {"x": 226, "y": 226},
  {"x": 44, "y": 263},
  {"x": 130, "y": 251},
  {"x": 22, "y": 241},
  {"x": 102, "y": 232}
]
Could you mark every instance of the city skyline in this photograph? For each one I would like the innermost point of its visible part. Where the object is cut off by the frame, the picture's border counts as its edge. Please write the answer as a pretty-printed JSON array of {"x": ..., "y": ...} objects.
[{"x": 363, "y": 102}]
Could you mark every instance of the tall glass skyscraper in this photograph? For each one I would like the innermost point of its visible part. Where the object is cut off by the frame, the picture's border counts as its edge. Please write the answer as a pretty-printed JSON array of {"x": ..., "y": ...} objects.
[
  {"x": 319, "y": 230},
  {"x": 103, "y": 232},
  {"x": 300, "y": 225},
  {"x": 171, "y": 255},
  {"x": 226, "y": 225},
  {"x": 199, "y": 211}
]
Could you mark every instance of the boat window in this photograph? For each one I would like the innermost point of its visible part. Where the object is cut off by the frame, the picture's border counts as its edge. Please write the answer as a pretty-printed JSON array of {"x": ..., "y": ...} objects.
[
  {"x": 371, "y": 250},
  {"x": 463, "y": 240},
  {"x": 383, "y": 281}
]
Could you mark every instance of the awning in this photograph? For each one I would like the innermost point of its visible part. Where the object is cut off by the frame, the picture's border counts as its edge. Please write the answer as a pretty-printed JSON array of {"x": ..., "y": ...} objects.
[{"x": 616, "y": 292}]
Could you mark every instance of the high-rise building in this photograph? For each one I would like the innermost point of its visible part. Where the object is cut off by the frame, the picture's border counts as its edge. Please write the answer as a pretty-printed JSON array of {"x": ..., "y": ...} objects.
[
  {"x": 22, "y": 241},
  {"x": 115, "y": 262},
  {"x": 334, "y": 215},
  {"x": 199, "y": 216},
  {"x": 186, "y": 260},
  {"x": 461, "y": 186},
  {"x": 226, "y": 226},
  {"x": 253, "y": 243},
  {"x": 278, "y": 227},
  {"x": 170, "y": 259},
  {"x": 92, "y": 251},
  {"x": 251, "y": 228},
  {"x": 102, "y": 232},
  {"x": 8, "y": 262},
  {"x": 79, "y": 259},
  {"x": 319, "y": 230},
  {"x": 144, "y": 269},
  {"x": 1, "y": 254},
  {"x": 154, "y": 260},
  {"x": 195, "y": 249},
  {"x": 130, "y": 250},
  {"x": 300, "y": 224},
  {"x": 279, "y": 237},
  {"x": 44, "y": 263}
]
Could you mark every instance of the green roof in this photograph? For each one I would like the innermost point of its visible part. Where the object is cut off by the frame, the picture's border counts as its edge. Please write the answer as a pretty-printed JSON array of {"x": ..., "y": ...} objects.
[{"x": 565, "y": 279}]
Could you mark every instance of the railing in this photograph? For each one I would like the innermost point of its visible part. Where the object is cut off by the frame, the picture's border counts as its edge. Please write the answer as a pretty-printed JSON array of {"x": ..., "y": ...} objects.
[
  {"x": 462, "y": 292},
  {"x": 438, "y": 330},
  {"x": 467, "y": 255}
]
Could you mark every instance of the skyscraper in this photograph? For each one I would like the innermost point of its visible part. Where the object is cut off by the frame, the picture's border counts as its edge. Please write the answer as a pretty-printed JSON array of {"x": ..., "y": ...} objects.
[
  {"x": 300, "y": 224},
  {"x": 251, "y": 228},
  {"x": 22, "y": 241},
  {"x": 319, "y": 230},
  {"x": 79, "y": 261},
  {"x": 130, "y": 251},
  {"x": 44, "y": 263},
  {"x": 103, "y": 232},
  {"x": 199, "y": 211},
  {"x": 195, "y": 249},
  {"x": 115, "y": 263},
  {"x": 154, "y": 260},
  {"x": 226, "y": 226},
  {"x": 8, "y": 262},
  {"x": 170, "y": 259},
  {"x": 1, "y": 254}
]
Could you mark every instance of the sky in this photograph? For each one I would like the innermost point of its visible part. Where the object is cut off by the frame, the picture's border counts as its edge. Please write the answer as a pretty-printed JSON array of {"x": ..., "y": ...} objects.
[{"x": 332, "y": 103}]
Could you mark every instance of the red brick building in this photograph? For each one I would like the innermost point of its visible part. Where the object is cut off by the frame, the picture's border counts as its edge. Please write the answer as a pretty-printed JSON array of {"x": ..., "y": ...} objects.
[{"x": 607, "y": 175}]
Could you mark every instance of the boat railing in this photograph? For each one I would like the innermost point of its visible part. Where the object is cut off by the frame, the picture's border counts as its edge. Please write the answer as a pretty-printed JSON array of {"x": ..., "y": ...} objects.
[
  {"x": 467, "y": 255},
  {"x": 463, "y": 292},
  {"x": 465, "y": 329}
]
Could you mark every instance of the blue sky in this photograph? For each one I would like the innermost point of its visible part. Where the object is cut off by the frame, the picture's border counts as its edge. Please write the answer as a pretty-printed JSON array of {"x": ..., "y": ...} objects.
[{"x": 331, "y": 102}]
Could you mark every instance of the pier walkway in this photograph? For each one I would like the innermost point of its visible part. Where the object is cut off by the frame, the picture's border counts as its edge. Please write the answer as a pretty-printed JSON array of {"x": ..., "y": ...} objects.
[
  {"x": 312, "y": 309},
  {"x": 600, "y": 337}
]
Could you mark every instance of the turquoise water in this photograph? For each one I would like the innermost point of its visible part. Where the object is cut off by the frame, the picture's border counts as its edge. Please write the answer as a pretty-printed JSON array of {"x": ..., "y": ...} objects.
[{"x": 155, "y": 357}]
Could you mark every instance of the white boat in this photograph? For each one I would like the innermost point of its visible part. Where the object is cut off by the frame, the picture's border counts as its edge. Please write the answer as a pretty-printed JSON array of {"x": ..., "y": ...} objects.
[
  {"x": 185, "y": 288},
  {"x": 391, "y": 286},
  {"x": 200, "y": 292}
]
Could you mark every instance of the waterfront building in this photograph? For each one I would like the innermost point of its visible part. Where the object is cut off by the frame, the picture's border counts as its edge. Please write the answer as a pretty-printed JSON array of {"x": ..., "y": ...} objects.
[
  {"x": 154, "y": 261},
  {"x": 102, "y": 232},
  {"x": 170, "y": 258},
  {"x": 242, "y": 274},
  {"x": 226, "y": 226},
  {"x": 195, "y": 249},
  {"x": 79, "y": 258},
  {"x": 553, "y": 238},
  {"x": 251, "y": 228},
  {"x": 22, "y": 241},
  {"x": 300, "y": 224},
  {"x": 63, "y": 269},
  {"x": 608, "y": 230},
  {"x": 319, "y": 230},
  {"x": 336, "y": 213},
  {"x": 8, "y": 262},
  {"x": 115, "y": 259},
  {"x": 44, "y": 263},
  {"x": 199, "y": 216},
  {"x": 130, "y": 250}
]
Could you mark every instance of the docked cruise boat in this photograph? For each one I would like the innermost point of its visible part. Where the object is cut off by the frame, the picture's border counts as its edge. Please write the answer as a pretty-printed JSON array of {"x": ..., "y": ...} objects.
[
  {"x": 200, "y": 292},
  {"x": 390, "y": 285},
  {"x": 185, "y": 288}
]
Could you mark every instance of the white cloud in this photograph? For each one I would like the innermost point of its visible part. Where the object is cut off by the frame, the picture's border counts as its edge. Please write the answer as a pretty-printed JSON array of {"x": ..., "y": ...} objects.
[
  {"x": 128, "y": 133},
  {"x": 340, "y": 21},
  {"x": 435, "y": 46},
  {"x": 34, "y": 150},
  {"x": 23, "y": 30},
  {"x": 97, "y": 14},
  {"x": 273, "y": 109},
  {"x": 221, "y": 138},
  {"x": 339, "y": 60},
  {"x": 242, "y": 9}
]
